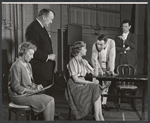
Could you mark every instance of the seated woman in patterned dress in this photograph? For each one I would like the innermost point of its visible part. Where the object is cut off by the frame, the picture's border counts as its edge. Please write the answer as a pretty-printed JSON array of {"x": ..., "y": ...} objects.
[
  {"x": 22, "y": 84},
  {"x": 81, "y": 94}
]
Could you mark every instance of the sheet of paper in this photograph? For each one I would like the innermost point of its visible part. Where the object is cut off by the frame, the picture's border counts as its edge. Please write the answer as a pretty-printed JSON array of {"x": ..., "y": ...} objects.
[{"x": 43, "y": 89}]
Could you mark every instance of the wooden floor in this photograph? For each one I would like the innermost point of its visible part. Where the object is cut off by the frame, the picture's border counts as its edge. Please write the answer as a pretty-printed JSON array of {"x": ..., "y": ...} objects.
[{"x": 126, "y": 113}]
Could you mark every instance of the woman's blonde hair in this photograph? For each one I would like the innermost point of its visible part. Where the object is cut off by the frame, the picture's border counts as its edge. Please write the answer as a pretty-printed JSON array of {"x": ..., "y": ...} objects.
[
  {"x": 24, "y": 47},
  {"x": 77, "y": 47}
]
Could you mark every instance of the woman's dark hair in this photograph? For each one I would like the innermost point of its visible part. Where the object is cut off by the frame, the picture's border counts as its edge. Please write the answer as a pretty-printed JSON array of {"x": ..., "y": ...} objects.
[
  {"x": 127, "y": 21},
  {"x": 77, "y": 47},
  {"x": 102, "y": 37},
  {"x": 45, "y": 12},
  {"x": 24, "y": 47}
]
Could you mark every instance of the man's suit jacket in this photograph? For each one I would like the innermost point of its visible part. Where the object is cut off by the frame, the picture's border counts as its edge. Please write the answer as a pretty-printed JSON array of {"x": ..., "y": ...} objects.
[
  {"x": 42, "y": 69},
  {"x": 131, "y": 41},
  {"x": 19, "y": 79},
  {"x": 110, "y": 55}
]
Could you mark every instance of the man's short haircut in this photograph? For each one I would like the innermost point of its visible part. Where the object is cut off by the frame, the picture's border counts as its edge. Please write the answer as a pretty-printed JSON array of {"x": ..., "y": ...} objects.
[
  {"x": 102, "y": 37},
  {"x": 127, "y": 21},
  {"x": 45, "y": 12}
]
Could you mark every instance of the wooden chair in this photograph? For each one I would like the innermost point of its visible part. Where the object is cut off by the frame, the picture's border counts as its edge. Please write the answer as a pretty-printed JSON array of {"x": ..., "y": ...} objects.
[
  {"x": 61, "y": 80},
  {"x": 17, "y": 109},
  {"x": 126, "y": 88},
  {"x": 65, "y": 79}
]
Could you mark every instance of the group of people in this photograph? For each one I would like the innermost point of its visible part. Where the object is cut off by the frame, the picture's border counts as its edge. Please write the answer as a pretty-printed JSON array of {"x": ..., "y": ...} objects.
[{"x": 35, "y": 66}]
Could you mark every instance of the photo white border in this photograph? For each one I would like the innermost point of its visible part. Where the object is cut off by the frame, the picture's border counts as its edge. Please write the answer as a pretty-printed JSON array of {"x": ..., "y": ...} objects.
[{"x": 75, "y": 2}]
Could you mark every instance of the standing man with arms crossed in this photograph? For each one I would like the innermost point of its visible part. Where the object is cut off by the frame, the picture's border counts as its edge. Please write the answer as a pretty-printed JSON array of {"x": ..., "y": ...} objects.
[
  {"x": 126, "y": 45},
  {"x": 105, "y": 52},
  {"x": 43, "y": 63}
]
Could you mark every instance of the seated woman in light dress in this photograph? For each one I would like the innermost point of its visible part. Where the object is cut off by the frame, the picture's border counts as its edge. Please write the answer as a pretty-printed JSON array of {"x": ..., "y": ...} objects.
[
  {"x": 81, "y": 94},
  {"x": 22, "y": 84}
]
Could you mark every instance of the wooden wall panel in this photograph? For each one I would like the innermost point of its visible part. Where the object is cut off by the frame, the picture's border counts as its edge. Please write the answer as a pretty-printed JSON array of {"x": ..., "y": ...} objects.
[
  {"x": 117, "y": 20},
  {"x": 111, "y": 20},
  {"x": 73, "y": 16},
  {"x": 86, "y": 17},
  {"x": 79, "y": 16},
  {"x": 100, "y": 6},
  {"x": 100, "y": 18},
  {"x": 105, "y": 19},
  {"x": 104, "y": 15},
  {"x": 106, "y": 6},
  {"x": 111, "y": 6},
  {"x": 117, "y": 7},
  {"x": 93, "y": 18}
]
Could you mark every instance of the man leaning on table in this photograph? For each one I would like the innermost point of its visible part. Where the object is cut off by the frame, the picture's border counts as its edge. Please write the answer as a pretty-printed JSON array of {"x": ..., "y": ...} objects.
[{"x": 104, "y": 50}]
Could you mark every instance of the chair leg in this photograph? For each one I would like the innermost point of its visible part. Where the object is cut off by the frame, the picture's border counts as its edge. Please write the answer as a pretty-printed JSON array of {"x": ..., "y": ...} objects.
[
  {"x": 133, "y": 104},
  {"x": 102, "y": 98},
  {"x": 33, "y": 117},
  {"x": 116, "y": 105},
  {"x": 134, "y": 100},
  {"x": 69, "y": 113},
  {"x": 16, "y": 115},
  {"x": 28, "y": 115},
  {"x": 119, "y": 103},
  {"x": 40, "y": 117},
  {"x": 9, "y": 117},
  {"x": 116, "y": 102}
]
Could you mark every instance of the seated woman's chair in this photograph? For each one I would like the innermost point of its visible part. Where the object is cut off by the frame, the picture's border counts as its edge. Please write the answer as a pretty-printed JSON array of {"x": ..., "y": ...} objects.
[
  {"x": 65, "y": 79},
  {"x": 17, "y": 109},
  {"x": 126, "y": 88},
  {"x": 61, "y": 80}
]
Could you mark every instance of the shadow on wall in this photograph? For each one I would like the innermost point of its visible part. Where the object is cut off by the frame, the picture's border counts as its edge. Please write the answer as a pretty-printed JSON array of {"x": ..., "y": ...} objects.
[
  {"x": 8, "y": 53},
  {"x": 8, "y": 57}
]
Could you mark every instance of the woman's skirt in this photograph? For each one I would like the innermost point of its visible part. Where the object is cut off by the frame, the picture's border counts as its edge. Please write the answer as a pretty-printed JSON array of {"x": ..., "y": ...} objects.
[
  {"x": 81, "y": 97},
  {"x": 37, "y": 102}
]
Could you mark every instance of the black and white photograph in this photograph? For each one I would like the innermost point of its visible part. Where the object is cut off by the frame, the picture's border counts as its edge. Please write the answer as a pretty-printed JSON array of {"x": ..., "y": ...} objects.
[{"x": 74, "y": 61}]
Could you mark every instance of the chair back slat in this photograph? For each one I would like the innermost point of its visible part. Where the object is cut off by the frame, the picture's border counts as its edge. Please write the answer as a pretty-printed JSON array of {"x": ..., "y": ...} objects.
[{"x": 126, "y": 69}]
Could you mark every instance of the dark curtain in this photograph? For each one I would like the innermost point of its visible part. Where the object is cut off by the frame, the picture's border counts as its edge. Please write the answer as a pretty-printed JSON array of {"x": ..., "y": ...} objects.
[
  {"x": 133, "y": 19},
  {"x": 146, "y": 43}
]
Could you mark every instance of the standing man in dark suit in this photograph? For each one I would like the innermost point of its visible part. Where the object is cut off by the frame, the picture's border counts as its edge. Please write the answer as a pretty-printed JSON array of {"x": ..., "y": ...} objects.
[
  {"x": 126, "y": 45},
  {"x": 43, "y": 63}
]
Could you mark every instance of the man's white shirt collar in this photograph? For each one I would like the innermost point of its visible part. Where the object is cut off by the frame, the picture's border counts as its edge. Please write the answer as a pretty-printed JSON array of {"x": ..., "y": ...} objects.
[
  {"x": 40, "y": 23},
  {"x": 125, "y": 35}
]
